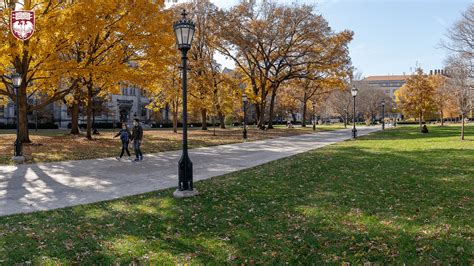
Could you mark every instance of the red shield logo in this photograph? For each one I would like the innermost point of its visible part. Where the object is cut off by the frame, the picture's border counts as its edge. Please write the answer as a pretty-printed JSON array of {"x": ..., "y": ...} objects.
[{"x": 22, "y": 24}]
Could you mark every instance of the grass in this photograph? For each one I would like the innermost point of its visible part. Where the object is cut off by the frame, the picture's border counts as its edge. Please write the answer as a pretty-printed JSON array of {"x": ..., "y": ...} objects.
[
  {"x": 58, "y": 145},
  {"x": 392, "y": 198}
]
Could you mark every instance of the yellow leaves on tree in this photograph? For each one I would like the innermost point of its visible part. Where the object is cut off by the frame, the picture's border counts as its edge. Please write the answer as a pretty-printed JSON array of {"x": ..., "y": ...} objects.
[{"x": 416, "y": 97}]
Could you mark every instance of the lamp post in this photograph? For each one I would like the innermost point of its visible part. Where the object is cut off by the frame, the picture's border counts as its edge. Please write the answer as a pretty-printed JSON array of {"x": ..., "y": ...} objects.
[
  {"x": 314, "y": 116},
  {"x": 383, "y": 114},
  {"x": 18, "y": 155},
  {"x": 184, "y": 30},
  {"x": 354, "y": 95},
  {"x": 244, "y": 101}
]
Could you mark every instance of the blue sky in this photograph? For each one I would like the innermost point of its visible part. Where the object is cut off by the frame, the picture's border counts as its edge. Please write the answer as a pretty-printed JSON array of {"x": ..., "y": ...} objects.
[{"x": 391, "y": 37}]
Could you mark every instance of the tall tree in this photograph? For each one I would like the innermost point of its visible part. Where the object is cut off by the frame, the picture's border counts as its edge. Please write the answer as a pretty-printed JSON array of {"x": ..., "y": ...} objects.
[
  {"x": 38, "y": 59},
  {"x": 444, "y": 99},
  {"x": 416, "y": 97},
  {"x": 461, "y": 37},
  {"x": 459, "y": 73},
  {"x": 168, "y": 94},
  {"x": 273, "y": 43},
  {"x": 201, "y": 56},
  {"x": 115, "y": 44}
]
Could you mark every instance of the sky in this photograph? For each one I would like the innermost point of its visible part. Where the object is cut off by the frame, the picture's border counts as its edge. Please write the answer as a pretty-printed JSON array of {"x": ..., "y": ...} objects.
[{"x": 391, "y": 37}]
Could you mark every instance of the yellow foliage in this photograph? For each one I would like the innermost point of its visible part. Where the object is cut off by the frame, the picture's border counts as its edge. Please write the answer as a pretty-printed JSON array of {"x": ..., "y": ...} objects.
[{"x": 417, "y": 96}]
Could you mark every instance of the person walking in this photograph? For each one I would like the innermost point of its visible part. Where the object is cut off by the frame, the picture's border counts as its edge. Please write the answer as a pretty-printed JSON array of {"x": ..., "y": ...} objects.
[
  {"x": 124, "y": 134},
  {"x": 137, "y": 136}
]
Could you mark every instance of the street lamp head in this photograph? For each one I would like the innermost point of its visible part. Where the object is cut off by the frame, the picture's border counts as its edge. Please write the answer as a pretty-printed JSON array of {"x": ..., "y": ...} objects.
[
  {"x": 354, "y": 91},
  {"x": 383, "y": 102},
  {"x": 184, "y": 30},
  {"x": 314, "y": 105},
  {"x": 16, "y": 80},
  {"x": 244, "y": 98}
]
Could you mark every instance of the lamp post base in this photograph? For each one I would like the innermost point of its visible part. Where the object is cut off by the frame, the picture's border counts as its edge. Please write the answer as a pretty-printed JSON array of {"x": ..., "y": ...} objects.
[
  {"x": 354, "y": 133},
  {"x": 180, "y": 194},
  {"x": 18, "y": 159}
]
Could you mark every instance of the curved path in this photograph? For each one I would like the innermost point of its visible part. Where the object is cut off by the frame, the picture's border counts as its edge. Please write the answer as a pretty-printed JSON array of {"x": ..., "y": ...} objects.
[{"x": 45, "y": 186}]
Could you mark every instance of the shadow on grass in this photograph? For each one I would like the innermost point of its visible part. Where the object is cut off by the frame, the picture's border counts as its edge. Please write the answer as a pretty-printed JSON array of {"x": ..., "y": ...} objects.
[{"x": 341, "y": 203}]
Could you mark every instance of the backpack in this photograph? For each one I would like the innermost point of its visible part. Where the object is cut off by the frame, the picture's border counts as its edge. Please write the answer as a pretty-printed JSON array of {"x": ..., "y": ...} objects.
[{"x": 125, "y": 136}]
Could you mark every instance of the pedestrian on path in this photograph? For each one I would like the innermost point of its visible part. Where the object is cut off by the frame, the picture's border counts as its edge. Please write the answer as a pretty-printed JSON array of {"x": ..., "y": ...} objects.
[
  {"x": 124, "y": 134},
  {"x": 137, "y": 136}
]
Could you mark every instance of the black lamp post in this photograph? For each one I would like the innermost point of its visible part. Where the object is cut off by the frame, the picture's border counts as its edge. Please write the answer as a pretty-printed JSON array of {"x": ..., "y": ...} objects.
[
  {"x": 18, "y": 155},
  {"x": 383, "y": 114},
  {"x": 244, "y": 101},
  {"x": 314, "y": 116},
  {"x": 184, "y": 30},
  {"x": 354, "y": 95}
]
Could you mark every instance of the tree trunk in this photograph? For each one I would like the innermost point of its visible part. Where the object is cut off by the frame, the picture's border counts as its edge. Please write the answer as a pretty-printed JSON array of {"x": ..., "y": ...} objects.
[
  {"x": 175, "y": 117},
  {"x": 420, "y": 120},
  {"x": 175, "y": 122},
  {"x": 261, "y": 116},
  {"x": 89, "y": 112},
  {"x": 272, "y": 106},
  {"x": 23, "y": 115},
  {"x": 75, "y": 119},
  {"x": 346, "y": 121},
  {"x": 204, "y": 118},
  {"x": 221, "y": 118},
  {"x": 442, "y": 118},
  {"x": 303, "y": 123},
  {"x": 462, "y": 127}
]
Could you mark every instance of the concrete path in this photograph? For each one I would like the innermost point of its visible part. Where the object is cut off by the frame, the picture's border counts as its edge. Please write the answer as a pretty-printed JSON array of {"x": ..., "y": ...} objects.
[{"x": 45, "y": 186}]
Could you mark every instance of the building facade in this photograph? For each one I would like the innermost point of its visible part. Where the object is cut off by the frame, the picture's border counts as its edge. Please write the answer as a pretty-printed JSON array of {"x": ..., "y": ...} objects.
[
  {"x": 124, "y": 107},
  {"x": 387, "y": 84}
]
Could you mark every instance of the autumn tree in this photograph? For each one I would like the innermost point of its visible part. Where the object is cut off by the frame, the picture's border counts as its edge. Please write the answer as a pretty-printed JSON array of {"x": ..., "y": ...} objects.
[
  {"x": 37, "y": 59},
  {"x": 168, "y": 94},
  {"x": 416, "y": 97},
  {"x": 287, "y": 103},
  {"x": 444, "y": 98},
  {"x": 271, "y": 44},
  {"x": 115, "y": 45},
  {"x": 226, "y": 92}
]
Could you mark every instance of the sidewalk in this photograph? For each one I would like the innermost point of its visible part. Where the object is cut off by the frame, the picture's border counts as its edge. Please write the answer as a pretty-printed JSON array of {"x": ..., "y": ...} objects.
[{"x": 34, "y": 187}]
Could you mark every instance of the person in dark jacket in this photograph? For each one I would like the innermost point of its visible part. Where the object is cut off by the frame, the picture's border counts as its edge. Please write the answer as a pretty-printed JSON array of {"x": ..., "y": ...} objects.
[
  {"x": 124, "y": 134},
  {"x": 137, "y": 136}
]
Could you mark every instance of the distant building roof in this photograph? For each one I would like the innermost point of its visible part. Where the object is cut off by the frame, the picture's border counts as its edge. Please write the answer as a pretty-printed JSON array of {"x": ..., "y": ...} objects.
[
  {"x": 227, "y": 70},
  {"x": 386, "y": 78}
]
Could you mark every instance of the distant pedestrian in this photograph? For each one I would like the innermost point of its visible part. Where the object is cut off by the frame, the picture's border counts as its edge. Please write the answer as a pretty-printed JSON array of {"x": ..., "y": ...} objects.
[
  {"x": 137, "y": 136},
  {"x": 124, "y": 134},
  {"x": 424, "y": 129}
]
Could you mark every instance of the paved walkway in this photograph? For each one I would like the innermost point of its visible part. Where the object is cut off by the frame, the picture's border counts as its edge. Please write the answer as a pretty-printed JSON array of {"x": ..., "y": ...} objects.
[{"x": 34, "y": 187}]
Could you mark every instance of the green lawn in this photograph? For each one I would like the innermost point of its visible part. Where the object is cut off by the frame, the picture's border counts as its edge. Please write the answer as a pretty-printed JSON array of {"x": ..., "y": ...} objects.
[{"x": 393, "y": 197}]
